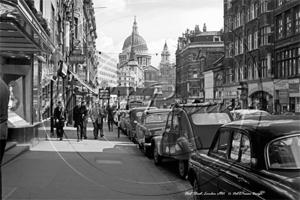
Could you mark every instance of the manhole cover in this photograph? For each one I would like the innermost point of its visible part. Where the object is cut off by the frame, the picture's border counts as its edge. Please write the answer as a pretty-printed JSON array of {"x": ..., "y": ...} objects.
[{"x": 108, "y": 161}]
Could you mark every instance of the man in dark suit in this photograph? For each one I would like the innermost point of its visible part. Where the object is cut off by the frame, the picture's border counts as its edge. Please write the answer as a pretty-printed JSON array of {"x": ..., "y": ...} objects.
[
  {"x": 60, "y": 117},
  {"x": 80, "y": 114}
]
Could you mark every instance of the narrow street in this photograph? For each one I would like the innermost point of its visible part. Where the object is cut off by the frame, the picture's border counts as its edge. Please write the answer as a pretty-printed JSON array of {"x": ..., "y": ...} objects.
[{"x": 107, "y": 168}]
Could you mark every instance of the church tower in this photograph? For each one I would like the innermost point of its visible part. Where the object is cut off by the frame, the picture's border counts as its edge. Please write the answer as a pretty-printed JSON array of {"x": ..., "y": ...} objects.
[{"x": 165, "y": 55}]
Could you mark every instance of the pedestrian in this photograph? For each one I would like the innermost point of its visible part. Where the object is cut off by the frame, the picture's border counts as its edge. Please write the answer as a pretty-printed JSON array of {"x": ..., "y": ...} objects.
[
  {"x": 60, "y": 118},
  {"x": 4, "y": 100},
  {"x": 80, "y": 113},
  {"x": 110, "y": 117},
  {"x": 100, "y": 117},
  {"x": 84, "y": 111},
  {"x": 94, "y": 116}
]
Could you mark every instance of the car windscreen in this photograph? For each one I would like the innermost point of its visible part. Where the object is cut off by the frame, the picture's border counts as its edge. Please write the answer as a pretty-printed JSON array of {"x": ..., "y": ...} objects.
[
  {"x": 285, "y": 153},
  {"x": 157, "y": 118},
  {"x": 210, "y": 118}
]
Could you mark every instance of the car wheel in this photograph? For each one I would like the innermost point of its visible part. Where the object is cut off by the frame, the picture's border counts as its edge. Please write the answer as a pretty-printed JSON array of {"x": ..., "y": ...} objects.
[
  {"x": 147, "y": 151},
  {"x": 196, "y": 190},
  {"x": 183, "y": 168},
  {"x": 156, "y": 157}
]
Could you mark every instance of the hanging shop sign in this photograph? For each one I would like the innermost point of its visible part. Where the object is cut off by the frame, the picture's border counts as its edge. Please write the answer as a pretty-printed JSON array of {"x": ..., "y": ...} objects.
[
  {"x": 77, "y": 59},
  {"x": 104, "y": 93}
]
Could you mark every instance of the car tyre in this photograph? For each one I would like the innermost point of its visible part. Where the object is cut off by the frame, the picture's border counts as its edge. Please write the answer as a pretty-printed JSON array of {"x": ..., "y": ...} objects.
[
  {"x": 183, "y": 168},
  {"x": 196, "y": 190},
  {"x": 156, "y": 157}
]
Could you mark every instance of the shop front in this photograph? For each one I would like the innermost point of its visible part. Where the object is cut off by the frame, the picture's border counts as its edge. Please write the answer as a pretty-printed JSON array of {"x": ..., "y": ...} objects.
[
  {"x": 260, "y": 96},
  {"x": 230, "y": 96},
  {"x": 287, "y": 95},
  {"x": 25, "y": 49}
]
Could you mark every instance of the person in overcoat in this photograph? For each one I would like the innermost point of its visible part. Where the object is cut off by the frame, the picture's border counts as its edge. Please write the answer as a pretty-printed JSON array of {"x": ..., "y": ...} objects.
[
  {"x": 94, "y": 117},
  {"x": 110, "y": 117},
  {"x": 60, "y": 118}
]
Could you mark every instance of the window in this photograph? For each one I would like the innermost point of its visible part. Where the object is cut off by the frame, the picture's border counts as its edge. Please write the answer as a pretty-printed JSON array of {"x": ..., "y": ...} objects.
[
  {"x": 175, "y": 125},
  {"x": 236, "y": 51},
  {"x": 280, "y": 2},
  {"x": 234, "y": 23},
  {"x": 240, "y": 148},
  {"x": 256, "y": 10},
  {"x": 169, "y": 122},
  {"x": 288, "y": 24},
  {"x": 279, "y": 28},
  {"x": 252, "y": 11},
  {"x": 297, "y": 21},
  {"x": 255, "y": 42},
  {"x": 242, "y": 18},
  {"x": 236, "y": 73},
  {"x": 195, "y": 75},
  {"x": 250, "y": 71},
  {"x": 241, "y": 73},
  {"x": 255, "y": 71},
  {"x": 284, "y": 153},
  {"x": 265, "y": 37},
  {"x": 238, "y": 20},
  {"x": 221, "y": 146},
  {"x": 250, "y": 42},
  {"x": 245, "y": 72},
  {"x": 241, "y": 45}
]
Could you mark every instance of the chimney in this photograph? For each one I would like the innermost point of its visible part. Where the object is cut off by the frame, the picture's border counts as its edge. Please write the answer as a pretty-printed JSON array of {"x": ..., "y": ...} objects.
[{"x": 204, "y": 28}]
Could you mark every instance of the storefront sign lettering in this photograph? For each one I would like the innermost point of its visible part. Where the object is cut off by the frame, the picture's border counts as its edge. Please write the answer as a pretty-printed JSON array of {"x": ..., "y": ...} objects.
[{"x": 281, "y": 85}]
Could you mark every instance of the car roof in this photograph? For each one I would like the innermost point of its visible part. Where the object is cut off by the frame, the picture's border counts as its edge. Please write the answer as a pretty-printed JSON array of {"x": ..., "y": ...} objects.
[
  {"x": 272, "y": 126},
  {"x": 142, "y": 108},
  {"x": 247, "y": 111},
  {"x": 158, "y": 110}
]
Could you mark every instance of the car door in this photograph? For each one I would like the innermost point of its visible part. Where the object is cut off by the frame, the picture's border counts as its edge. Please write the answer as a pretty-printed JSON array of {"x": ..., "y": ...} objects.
[
  {"x": 232, "y": 174},
  {"x": 209, "y": 176},
  {"x": 165, "y": 136},
  {"x": 140, "y": 128},
  {"x": 173, "y": 134}
]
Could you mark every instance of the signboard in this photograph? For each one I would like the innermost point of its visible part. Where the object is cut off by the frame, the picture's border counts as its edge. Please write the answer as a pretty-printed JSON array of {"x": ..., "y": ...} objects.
[
  {"x": 77, "y": 59},
  {"x": 281, "y": 85},
  {"x": 294, "y": 87},
  {"x": 104, "y": 93},
  {"x": 284, "y": 96},
  {"x": 76, "y": 52}
]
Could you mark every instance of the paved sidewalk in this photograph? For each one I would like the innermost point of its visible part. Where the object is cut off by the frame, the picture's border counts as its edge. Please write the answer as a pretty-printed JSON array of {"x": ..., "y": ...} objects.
[{"x": 107, "y": 168}]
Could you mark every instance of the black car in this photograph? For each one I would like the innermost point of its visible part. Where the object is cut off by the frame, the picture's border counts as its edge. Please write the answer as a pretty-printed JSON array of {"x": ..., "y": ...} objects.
[{"x": 256, "y": 158}]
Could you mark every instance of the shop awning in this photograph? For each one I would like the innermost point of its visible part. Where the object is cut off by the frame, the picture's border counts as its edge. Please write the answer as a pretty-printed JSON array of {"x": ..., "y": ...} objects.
[
  {"x": 82, "y": 82},
  {"x": 20, "y": 31}
]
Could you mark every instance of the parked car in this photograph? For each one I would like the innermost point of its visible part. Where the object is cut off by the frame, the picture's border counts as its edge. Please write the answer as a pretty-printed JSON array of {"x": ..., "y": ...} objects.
[
  {"x": 246, "y": 113},
  {"x": 152, "y": 124},
  {"x": 186, "y": 126},
  {"x": 291, "y": 113},
  {"x": 254, "y": 159},
  {"x": 123, "y": 120},
  {"x": 135, "y": 114}
]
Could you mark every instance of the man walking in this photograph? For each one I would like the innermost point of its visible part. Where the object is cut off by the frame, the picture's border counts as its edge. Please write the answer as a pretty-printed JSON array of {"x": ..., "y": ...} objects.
[
  {"x": 80, "y": 114},
  {"x": 4, "y": 99},
  {"x": 110, "y": 117},
  {"x": 94, "y": 117},
  {"x": 60, "y": 117}
]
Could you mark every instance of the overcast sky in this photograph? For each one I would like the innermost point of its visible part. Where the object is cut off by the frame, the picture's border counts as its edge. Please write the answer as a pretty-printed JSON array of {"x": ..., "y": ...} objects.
[{"x": 158, "y": 21}]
